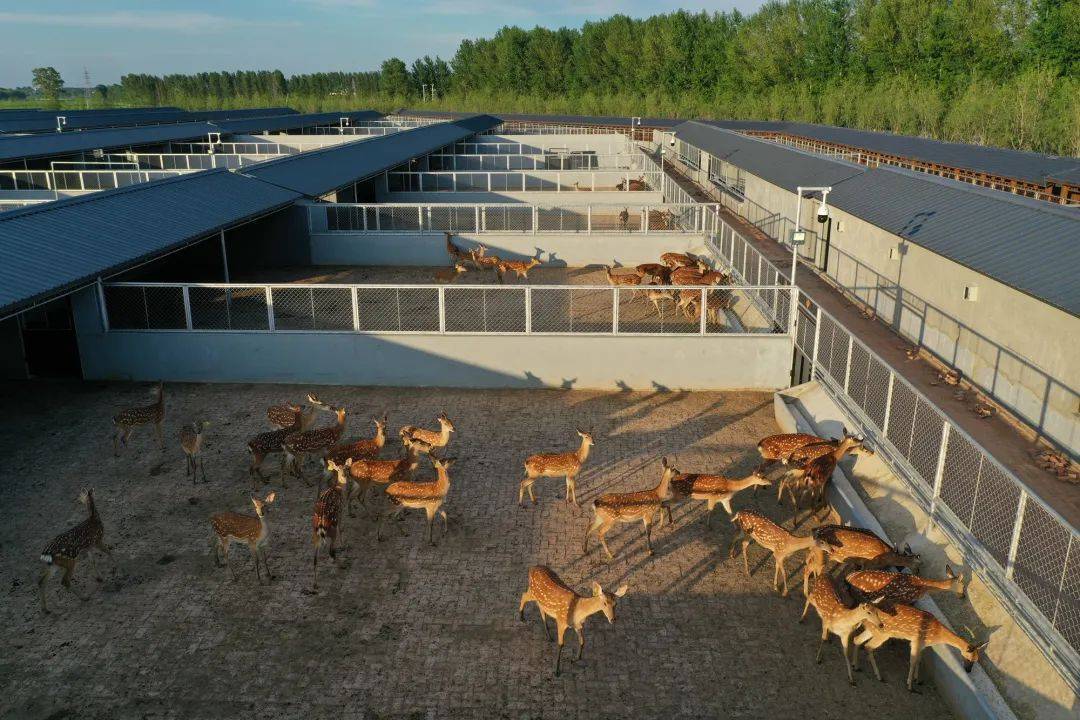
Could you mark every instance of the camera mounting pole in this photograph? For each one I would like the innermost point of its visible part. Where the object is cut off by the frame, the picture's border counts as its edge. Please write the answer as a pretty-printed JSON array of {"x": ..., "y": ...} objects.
[{"x": 798, "y": 237}]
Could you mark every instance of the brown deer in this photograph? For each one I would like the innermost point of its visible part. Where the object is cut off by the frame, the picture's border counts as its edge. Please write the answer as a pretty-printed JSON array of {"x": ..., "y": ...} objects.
[
  {"x": 656, "y": 270},
  {"x": 297, "y": 445},
  {"x": 482, "y": 260},
  {"x": 367, "y": 448},
  {"x": 326, "y": 521},
  {"x": 813, "y": 478},
  {"x": 624, "y": 215},
  {"x": 128, "y": 419},
  {"x": 922, "y": 630},
  {"x": 716, "y": 303},
  {"x": 426, "y": 496},
  {"x": 457, "y": 255},
  {"x": 63, "y": 550},
  {"x": 520, "y": 268},
  {"x": 556, "y": 600},
  {"x": 837, "y": 618},
  {"x": 778, "y": 448},
  {"x": 862, "y": 547},
  {"x": 622, "y": 279},
  {"x": 641, "y": 506},
  {"x": 234, "y": 527},
  {"x": 812, "y": 451},
  {"x": 365, "y": 473},
  {"x": 284, "y": 416},
  {"x": 451, "y": 274},
  {"x": 712, "y": 489},
  {"x": 905, "y": 588},
  {"x": 657, "y": 296},
  {"x": 434, "y": 438},
  {"x": 753, "y": 526},
  {"x": 267, "y": 443},
  {"x": 191, "y": 438},
  {"x": 567, "y": 464},
  {"x": 675, "y": 260}
]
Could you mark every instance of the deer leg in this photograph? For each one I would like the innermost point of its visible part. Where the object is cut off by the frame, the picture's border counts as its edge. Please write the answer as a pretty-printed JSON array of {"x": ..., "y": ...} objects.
[
  {"x": 648, "y": 535},
  {"x": 69, "y": 569},
  {"x": 525, "y": 484},
  {"x": 93, "y": 564},
  {"x": 202, "y": 466},
  {"x": 47, "y": 572},
  {"x": 187, "y": 466},
  {"x": 913, "y": 668},
  {"x": 595, "y": 525},
  {"x": 746, "y": 556},
  {"x": 315, "y": 569},
  {"x": 526, "y": 598},
  {"x": 543, "y": 623},
  {"x": 445, "y": 522},
  {"x": 844, "y": 640},
  {"x": 600, "y": 533},
  {"x": 780, "y": 490},
  {"x": 116, "y": 442},
  {"x": 581, "y": 643},
  {"x": 873, "y": 663},
  {"x": 561, "y": 630},
  {"x": 805, "y": 609},
  {"x": 255, "y": 556},
  {"x": 824, "y": 639},
  {"x": 571, "y": 489},
  {"x": 266, "y": 566},
  {"x": 401, "y": 528},
  {"x": 232, "y": 570},
  {"x": 739, "y": 535},
  {"x": 781, "y": 572},
  {"x": 430, "y": 517}
]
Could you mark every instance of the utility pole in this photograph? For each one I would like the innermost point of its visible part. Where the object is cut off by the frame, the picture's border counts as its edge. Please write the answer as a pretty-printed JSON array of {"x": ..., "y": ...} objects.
[{"x": 86, "y": 86}]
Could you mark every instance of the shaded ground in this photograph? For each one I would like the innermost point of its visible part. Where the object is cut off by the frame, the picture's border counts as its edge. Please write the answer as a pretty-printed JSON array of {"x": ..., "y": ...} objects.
[{"x": 400, "y": 629}]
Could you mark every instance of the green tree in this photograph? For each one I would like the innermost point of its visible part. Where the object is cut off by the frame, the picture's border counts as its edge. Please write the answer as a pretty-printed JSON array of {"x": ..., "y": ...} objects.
[
  {"x": 48, "y": 83},
  {"x": 394, "y": 77}
]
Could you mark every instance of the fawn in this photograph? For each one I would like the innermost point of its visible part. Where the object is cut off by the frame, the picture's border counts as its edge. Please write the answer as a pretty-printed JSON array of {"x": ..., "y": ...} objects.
[
  {"x": 426, "y": 496},
  {"x": 713, "y": 489},
  {"x": 234, "y": 527},
  {"x": 284, "y": 416},
  {"x": 520, "y": 268},
  {"x": 753, "y": 526},
  {"x": 297, "y": 445},
  {"x": 643, "y": 505},
  {"x": 566, "y": 465},
  {"x": 365, "y": 473},
  {"x": 449, "y": 275},
  {"x": 434, "y": 438},
  {"x": 906, "y": 588},
  {"x": 191, "y": 438},
  {"x": 128, "y": 419},
  {"x": 866, "y": 549},
  {"x": 63, "y": 550},
  {"x": 838, "y": 619},
  {"x": 267, "y": 443},
  {"x": 556, "y": 600},
  {"x": 326, "y": 521},
  {"x": 921, "y": 629}
]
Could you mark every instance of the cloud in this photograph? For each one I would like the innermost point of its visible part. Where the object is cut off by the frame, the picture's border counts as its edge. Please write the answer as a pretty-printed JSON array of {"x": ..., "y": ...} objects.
[{"x": 172, "y": 22}]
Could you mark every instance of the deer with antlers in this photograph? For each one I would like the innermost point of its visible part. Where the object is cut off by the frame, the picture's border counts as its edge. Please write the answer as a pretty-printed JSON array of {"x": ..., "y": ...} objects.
[
  {"x": 233, "y": 527},
  {"x": 712, "y": 489},
  {"x": 326, "y": 520},
  {"x": 520, "y": 268},
  {"x": 641, "y": 506},
  {"x": 921, "y": 630},
  {"x": 63, "y": 551},
  {"x": 431, "y": 439},
  {"x": 268, "y": 443},
  {"x": 862, "y": 547},
  {"x": 191, "y": 439},
  {"x": 898, "y": 587},
  {"x": 556, "y": 600},
  {"x": 284, "y": 416},
  {"x": 752, "y": 526},
  {"x": 128, "y": 419},
  {"x": 364, "y": 473},
  {"x": 553, "y": 465},
  {"x": 838, "y": 619},
  {"x": 426, "y": 496},
  {"x": 296, "y": 446}
]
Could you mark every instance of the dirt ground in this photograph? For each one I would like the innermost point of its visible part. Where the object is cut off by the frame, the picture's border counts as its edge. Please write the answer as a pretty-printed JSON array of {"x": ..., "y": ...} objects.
[{"x": 401, "y": 629}]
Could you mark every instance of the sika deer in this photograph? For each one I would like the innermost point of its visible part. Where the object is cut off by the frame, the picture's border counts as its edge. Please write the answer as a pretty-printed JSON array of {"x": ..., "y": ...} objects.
[
  {"x": 656, "y": 270},
  {"x": 846, "y": 544},
  {"x": 297, "y": 445},
  {"x": 365, "y": 473},
  {"x": 366, "y": 448},
  {"x": 233, "y": 527},
  {"x": 780, "y": 447},
  {"x": 327, "y": 519},
  {"x": 753, "y": 526},
  {"x": 713, "y": 489},
  {"x": 814, "y": 477},
  {"x": 191, "y": 438},
  {"x": 643, "y": 505},
  {"x": 556, "y": 600},
  {"x": 434, "y": 438},
  {"x": 283, "y": 416},
  {"x": 812, "y": 451},
  {"x": 270, "y": 442},
  {"x": 555, "y": 465},
  {"x": 426, "y": 496},
  {"x": 657, "y": 296},
  {"x": 457, "y": 255},
  {"x": 63, "y": 550},
  {"x": 622, "y": 279},
  {"x": 838, "y": 619},
  {"x": 674, "y": 260},
  {"x": 922, "y": 630},
  {"x": 518, "y": 267},
  {"x": 451, "y": 274},
  {"x": 128, "y": 419},
  {"x": 482, "y": 260},
  {"x": 905, "y": 588}
]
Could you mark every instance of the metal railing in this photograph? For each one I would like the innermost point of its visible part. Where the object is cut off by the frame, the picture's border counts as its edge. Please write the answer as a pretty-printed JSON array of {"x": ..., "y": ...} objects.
[
  {"x": 533, "y": 161},
  {"x": 508, "y": 218},
  {"x": 78, "y": 180},
  {"x": 615, "y": 145},
  {"x": 445, "y": 309},
  {"x": 1026, "y": 552},
  {"x": 529, "y": 181},
  {"x": 195, "y": 161}
]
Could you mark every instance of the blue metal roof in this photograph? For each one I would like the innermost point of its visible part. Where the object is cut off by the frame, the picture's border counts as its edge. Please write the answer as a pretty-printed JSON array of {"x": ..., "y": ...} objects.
[
  {"x": 45, "y": 121},
  {"x": 214, "y": 115},
  {"x": 19, "y": 147},
  {"x": 56, "y": 247},
  {"x": 318, "y": 172},
  {"x": 551, "y": 119},
  {"x": 289, "y": 122}
]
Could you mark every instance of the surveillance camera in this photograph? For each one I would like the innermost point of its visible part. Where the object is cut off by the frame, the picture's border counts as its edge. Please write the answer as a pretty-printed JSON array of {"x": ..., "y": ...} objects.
[
  {"x": 822, "y": 213},
  {"x": 671, "y": 141}
]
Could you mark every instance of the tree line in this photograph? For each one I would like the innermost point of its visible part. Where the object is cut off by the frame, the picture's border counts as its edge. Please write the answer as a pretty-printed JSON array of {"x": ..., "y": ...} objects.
[{"x": 1001, "y": 72}]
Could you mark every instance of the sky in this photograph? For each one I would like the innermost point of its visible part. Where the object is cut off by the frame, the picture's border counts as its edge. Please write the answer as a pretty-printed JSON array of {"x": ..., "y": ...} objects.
[{"x": 111, "y": 38}]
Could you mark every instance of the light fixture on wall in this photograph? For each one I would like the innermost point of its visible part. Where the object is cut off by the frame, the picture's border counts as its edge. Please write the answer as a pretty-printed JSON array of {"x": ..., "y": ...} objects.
[{"x": 971, "y": 293}]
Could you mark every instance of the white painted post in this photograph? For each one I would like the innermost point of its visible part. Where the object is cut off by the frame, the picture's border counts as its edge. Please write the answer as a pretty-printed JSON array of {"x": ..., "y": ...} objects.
[
  {"x": 363, "y": 212},
  {"x": 102, "y": 307},
  {"x": 187, "y": 307},
  {"x": 442, "y": 309},
  {"x": 614, "y": 310},
  {"x": 644, "y": 221},
  {"x": 1014, "y": 543},
  {"x": 224, "y": 257},
  {"x": 558, "y": 182},
  {"x": 939, "y": 469},
  {"x": 888, "y": 405},
  {"x": 420, "y": 217},
  {"x": 476, "y": 218},
  {"x": 588, "y": 219},
  {"x": 355, "y": 310},
  {"x": 847, "y": 365},
  {"x": 269, "y": 309},
  {"x": 535, "y": 218},
  {"x": 528, "y": 310},
  {"x": 817, "y": 339},
  {"x": 702, "y": 324}
]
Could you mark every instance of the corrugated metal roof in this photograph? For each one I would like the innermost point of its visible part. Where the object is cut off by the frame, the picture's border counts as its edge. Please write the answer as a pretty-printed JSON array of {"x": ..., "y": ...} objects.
[
  {"x": 45, "y": 121},
  {"x": 288, "y": 122},
  {"x": 237, "y": 114},
  {"x": 1067, "y": 177},
  {"x": 778, "y": 164},
  {"x": 18, "y": 147},
  {"x": 1027, "y": 244},
  {"x": 318, "y": 172},
  {"x": 552, "y": 119},
  {"x": 55, "y": 247}
]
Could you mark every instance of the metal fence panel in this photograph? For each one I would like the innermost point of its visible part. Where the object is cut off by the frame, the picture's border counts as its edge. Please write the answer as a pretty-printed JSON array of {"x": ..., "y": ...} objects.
[
  {"x": 1040, "y": 558},
  {"x": 485, "y": 310},
  {"x": 215, "y": 308}
]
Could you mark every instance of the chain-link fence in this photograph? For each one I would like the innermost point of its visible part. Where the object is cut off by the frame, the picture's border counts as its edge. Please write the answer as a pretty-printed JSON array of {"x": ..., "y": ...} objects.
[
  {"x": 650, "y": 310},
  {"x": 439, "y": 162},
  {"x": 530, "y": 181}
]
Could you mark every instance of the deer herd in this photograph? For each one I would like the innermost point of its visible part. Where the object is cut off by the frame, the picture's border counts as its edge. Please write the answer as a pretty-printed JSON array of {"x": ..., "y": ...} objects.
[{"x": 855, "y": 581}]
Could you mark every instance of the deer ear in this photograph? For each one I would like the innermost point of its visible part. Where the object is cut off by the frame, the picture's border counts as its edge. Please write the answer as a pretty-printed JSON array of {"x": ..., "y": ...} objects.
[
  {"x": 270, "y": 497},
  {"x": 949, "y": 572},
  {"x": 981, "y": 646},
  {"x": 878, "y": 600},
  {"x": 597, "y": 590},
  {"x": 621, "y": 591},
  {"x": 907, "y": 549},
  {"x": 348, "y": 463}
]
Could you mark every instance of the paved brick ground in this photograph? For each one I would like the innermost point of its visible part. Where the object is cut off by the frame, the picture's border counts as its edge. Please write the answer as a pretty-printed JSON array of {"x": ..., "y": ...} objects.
[{"x": 399, "y": 629}]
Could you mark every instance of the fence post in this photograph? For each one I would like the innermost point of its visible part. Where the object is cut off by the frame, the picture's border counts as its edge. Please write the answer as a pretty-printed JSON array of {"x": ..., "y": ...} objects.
[
  {"x": 528, "y": 310},
  {"x": 614, "y": 310},
  {"x": 420, "y": 217},
  {"x": 1014, "y": 543},
  {"x": 644, "y": 220},
  {"x": 939, "y": 469},
  {"x": 442, "y": 309},
  {"x": 817, "y": 338},
  {"x": 103, "y": 307},
  {"x": 355, "y": 310},
  {"x": 704, "y": 310},
  {"x": 888, "y": 404},
  {"x": 269, "y": 309},
  {"x": 476, "y": 218},
  {"x": 535, "y": 218},
  {"x": 187, "y": 307},
  {"x": 588, "y": 219},
  {"x": 847, "y": 365}
]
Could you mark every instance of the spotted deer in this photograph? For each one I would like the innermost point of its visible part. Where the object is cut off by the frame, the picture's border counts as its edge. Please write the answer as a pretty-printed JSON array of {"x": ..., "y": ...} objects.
[
  {"x": 297, "y": 445},
  {"x": 657, "y": 295},
  {"x": 554, "y": 599},
  {"x": 812, "y": 478},
  {"x": 364, "y": 473},
  {"x": 450, "y": 274},
  {"x": 567, "y": 464},
  {"x": 433, "y": 438},
  {"x": 752, "y": 526},
  {"x": 621, "y": 279},
  {"x": 326, "y": 521},
  {"x": 656, "y": 270},
  {"x": 482, "y": 260},
  {"x": 863, "y": 548},
  {"x": 283, "y": 416},
  {"x": 674, "y": 260},
  {"x": 63, "y": 551},
  {"x": 128, "y": 419},
  {"x": 849, "y": 443},
  {"x": 233, "y": 527},
  {"x": 716, "y": 303},
  {"x": 906, "y": 588},
  {"x": 641, "y": 506},
  {"x": 837, "y": 618},
  {"x": 270, "y": 442},
  {"x": 426, "y": 496},
  {"x": 366, "y": 448},
  {"x": 712, "y": 489},
  {"x": 779, "y": 448},
  {"x": 520, "y": 268},
  {"x": 921, "y": 630},
  {"x": 457, "y": 255},
  {"x": 191, "y": 439}
]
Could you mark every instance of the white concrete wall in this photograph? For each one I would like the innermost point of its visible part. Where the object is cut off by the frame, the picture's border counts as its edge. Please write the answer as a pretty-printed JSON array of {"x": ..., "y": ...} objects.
[
  {"x": 636, "y": 198},
  {"x": 600, "y": 144}
]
